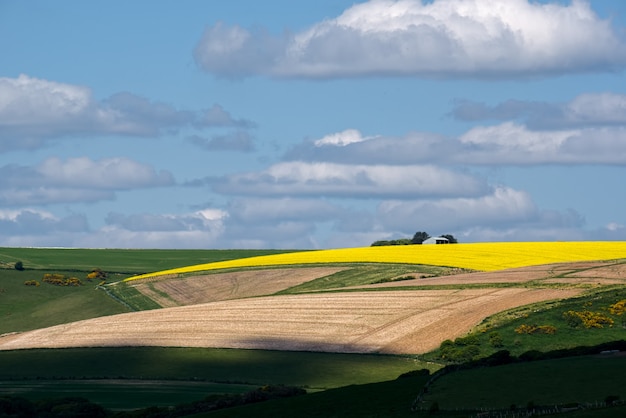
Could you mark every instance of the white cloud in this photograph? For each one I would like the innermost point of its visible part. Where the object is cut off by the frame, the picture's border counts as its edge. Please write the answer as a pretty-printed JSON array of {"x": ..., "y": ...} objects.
[
  {"x": 443, "y": 38},
  {"x": 298, "y": 178},
  {"x": 511, "y": 143},
  {"x": 31, "y": 227},
  {"x": 508, "y": 143},
  {"x": 585, "y": 110},
  {"x": 503, "y": 206},
  {"x": 33, "y": 109},
  {"x": 76, "y": 180},
  {"x": 349, "y": 136}
]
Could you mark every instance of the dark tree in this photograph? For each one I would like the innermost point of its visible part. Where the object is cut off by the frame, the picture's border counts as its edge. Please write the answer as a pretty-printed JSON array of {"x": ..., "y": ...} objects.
[
  {"x": 420, "y": 237},
  {"x": 451, "y": 239},
  {"x": 19, "y": 266}
]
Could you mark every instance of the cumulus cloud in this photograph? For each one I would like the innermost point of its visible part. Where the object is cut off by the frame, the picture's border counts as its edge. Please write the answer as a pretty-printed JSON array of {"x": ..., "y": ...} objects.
[
  {"x": 442, "y": 38},
  {"x": 75, "y": 180},
  {"x": 298, "y": 178},
  {"x": 33, "y": 109}
]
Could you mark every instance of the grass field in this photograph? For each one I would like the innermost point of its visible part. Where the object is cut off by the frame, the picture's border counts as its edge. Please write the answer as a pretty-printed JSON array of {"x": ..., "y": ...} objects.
[
  {"x": 125, "y": 261},
  {"x": 183, "y": 374},
  {"x": 188, "y": 372},
  {"x": 30, "y": 307},
  {"x": 546, "y": 382}
]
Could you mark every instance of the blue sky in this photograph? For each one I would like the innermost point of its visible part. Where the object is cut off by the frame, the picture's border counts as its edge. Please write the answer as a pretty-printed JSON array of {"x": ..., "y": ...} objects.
[{"x": 312, "y": 124}]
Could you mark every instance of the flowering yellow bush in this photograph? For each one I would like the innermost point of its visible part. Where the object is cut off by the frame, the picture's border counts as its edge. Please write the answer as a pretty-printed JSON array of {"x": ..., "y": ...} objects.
[
  {"x": 476, "y": 256},
  {"x": 535, "y": 329},
  {"x": 588, "y": 319},
  {"x": 618, "y": 308}
]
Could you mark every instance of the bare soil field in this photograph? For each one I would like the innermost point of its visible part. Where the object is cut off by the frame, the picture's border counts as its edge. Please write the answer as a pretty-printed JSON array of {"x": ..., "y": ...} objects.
[
  {"x": 225, "y": 286},
  {"x": 408, "y": 322}
]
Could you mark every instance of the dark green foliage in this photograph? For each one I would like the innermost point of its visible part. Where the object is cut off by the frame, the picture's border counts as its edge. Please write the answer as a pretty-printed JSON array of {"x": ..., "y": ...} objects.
[
  {"x": 19, "y": 266},
  {"x": 461, "y": 350},
  {"x": 216, "y": 402},
  {"x": 402, "y": 241},
  {"x": 420, "y": 237},
  {"x": 414, "y": 373},
  {"x": 450, "y": 238},
  {"x": 18, "y": 407},
  {"x": 15, "y": 406},
  {"x": 495, "y": 340},
  {"x": 434, "y": 408}
]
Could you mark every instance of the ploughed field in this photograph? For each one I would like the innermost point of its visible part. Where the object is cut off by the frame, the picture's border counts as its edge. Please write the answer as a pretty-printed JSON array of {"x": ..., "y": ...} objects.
[{"x": 262, "y": 308}]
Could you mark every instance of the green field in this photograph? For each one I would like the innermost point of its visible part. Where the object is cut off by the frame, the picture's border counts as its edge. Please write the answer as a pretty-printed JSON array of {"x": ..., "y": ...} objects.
[
  {"x": 25, "y": 308},
  {"x": 341, "y": 385},
  {"x": 124, "y": 261},
  {"x": 193, "y": 372}
]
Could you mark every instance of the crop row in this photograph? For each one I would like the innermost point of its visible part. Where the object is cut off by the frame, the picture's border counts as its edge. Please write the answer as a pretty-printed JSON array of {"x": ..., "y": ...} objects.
[{"x": 475, "y": 256}]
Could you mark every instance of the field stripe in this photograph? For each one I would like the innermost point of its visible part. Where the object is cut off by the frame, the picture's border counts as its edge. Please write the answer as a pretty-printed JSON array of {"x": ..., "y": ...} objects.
[{"x": 475, "y": 256}]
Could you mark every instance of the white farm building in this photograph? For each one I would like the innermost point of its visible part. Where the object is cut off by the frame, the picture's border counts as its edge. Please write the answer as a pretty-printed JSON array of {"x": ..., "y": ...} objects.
[{"x": 436, "y": 240}]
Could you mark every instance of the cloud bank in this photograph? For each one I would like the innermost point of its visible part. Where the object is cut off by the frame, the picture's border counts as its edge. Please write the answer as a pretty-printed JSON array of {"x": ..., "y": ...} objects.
[{"x": 33, "y": 110}]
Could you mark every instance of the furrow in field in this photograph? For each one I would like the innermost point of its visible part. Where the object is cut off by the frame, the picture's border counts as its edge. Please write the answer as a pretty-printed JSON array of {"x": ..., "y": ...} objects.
[{"x": 384, "y": 321}]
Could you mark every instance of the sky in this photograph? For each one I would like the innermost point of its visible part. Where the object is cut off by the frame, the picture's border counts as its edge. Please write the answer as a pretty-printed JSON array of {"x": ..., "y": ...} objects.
[{"x": 310, "y": 124}]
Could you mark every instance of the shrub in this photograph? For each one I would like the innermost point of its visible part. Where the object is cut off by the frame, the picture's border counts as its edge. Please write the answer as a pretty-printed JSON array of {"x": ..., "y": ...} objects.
[
  {"x": 535, "y": 329},
  {"x": 96, "y": 274},
  {"x": 61, "y": 280},
  {"x": 588, "y": 319},
  {"x": 618, "y": 308},
  {"x": 19, "y": 265},
  {"x": 31, "y": 283},
  {"x": 495, "y": 340}
]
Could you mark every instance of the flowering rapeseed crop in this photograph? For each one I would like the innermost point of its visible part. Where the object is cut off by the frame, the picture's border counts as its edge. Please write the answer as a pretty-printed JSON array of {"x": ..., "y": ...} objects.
[{"x": 477, "y": 256}]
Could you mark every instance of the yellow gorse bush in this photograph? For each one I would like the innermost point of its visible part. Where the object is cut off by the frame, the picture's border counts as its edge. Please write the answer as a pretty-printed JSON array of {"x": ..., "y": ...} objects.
[{"x": 475, "y": 256}]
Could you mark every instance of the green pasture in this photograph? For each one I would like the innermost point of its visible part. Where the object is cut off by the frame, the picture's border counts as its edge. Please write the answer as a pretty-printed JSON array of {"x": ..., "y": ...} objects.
[
  {"x": 312, "y": 370},
  {"x": 126, "y": 261},
  {"x": 25, "y": 308},
  {"x": 104, "y": 375},
  {"x": 121, "y": 394},
  {"x": 390, "y": 399},
  {"x": 463, "y": 393},
  {"x": 584, "y": 379},
  {"x": 498, "y": 332}
]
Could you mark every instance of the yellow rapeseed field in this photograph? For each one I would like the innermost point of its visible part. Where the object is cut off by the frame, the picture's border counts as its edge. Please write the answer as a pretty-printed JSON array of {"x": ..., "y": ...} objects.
[{"x": 476, "y": 256}]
